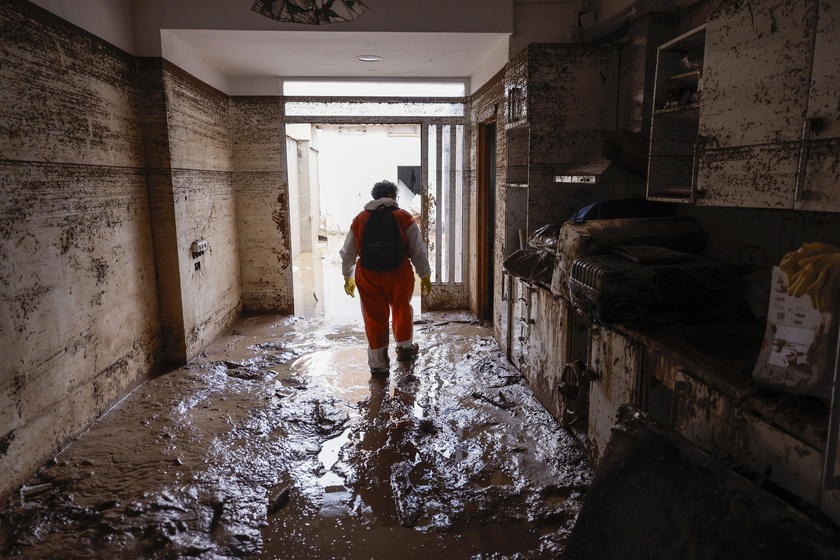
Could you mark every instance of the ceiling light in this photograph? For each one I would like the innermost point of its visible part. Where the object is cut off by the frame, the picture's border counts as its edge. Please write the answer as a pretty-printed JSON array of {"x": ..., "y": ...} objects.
[{"x": 369, "y": 58}]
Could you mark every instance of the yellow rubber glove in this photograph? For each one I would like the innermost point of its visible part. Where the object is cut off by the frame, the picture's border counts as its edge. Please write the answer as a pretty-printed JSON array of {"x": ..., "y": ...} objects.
[
  {"x": 792, "y": 262},
  {"x": 823, "y": 298},
  {"x": 816, "y": 275},
  {"x": 350, "y": 287},
  {"x": 426, "y": 285}
]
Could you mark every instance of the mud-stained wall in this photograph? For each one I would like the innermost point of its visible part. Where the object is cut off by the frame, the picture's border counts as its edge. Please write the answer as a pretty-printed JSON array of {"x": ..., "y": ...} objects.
[
  {"x": 79, "y": 322},
  {"x": 571, "y": 102},
  {"x": 189, "y": 158},
  {"x": 201, "y": 158},
  {"x": 262, "y": 201},
  {"x": 553, "y": 105},
  {"x": 153, "y": 123}
]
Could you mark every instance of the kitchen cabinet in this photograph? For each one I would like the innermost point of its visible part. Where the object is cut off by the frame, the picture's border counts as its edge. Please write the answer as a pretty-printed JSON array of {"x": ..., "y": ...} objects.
[
  {"x": 819, "y": 174},
  {"x": 616, "y": 362},
  {"x": 505, "y": 313},
  {"x": 560, "y": 101},
  {"x": 676, "y": 117},
  {"x": 768, "y": 117},
  {"x": 521, "y": 324},
  {"x": 547, "y": 351},
  {"x": 542, "y": 347},
  {"x": 713, "y": 403}
]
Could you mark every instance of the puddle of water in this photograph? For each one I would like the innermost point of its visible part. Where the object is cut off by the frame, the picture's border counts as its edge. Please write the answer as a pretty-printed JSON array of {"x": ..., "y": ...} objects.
[
  {"x": 329, "y": 457},
  {"x": 343, "y": 371}
]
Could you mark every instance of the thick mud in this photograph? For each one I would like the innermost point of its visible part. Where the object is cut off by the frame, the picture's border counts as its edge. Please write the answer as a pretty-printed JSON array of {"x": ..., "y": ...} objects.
[{"x": 278, "y": 443}]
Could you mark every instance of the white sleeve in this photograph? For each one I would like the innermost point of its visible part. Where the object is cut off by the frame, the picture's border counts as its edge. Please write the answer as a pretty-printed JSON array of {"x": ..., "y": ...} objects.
[
  {"x": 417, "y": 251},
  {"x": 348, "y": 255}
]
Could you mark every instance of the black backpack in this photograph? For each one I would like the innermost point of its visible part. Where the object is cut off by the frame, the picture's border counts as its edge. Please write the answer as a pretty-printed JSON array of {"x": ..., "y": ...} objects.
[{"x": 382, "y": 242}]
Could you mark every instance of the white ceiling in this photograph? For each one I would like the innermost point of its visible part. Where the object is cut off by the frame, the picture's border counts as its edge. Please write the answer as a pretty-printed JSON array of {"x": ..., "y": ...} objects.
[{"x": 256, "y": 54}]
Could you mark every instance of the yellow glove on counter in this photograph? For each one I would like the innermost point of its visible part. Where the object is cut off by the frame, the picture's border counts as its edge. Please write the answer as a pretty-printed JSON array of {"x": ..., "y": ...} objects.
[
  {"x": 813, "y": 270},
  {"x": 426, "y": 285},
  {"x": 792, "y": 262},
  {"x": 350, "y": 287}
]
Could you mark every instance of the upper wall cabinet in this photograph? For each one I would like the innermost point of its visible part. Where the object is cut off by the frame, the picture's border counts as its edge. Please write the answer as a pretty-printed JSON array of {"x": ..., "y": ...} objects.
[
  {"x": 768, "y": 122},
  {"x": 560, "y": 103},
  {"x": 676, "y": 117},
  {"x": 819, "y": 177}
]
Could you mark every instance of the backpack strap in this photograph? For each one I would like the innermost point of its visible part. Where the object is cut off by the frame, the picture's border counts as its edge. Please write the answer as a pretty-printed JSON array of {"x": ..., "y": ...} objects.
[{"x": 383, "y": 207}]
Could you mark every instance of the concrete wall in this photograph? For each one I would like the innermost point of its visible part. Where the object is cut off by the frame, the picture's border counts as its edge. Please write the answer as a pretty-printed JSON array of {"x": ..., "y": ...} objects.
[
  {"x": 543, "y": 21},
  {"x": 295, "y": 210},
  {"x": 112, "y": 167},
  {"x": 262, "y": 204},
  {"x": 304, "y": 187},
  {"x": 201, "y": 158},
  {"x": 189, "y": 157},
  {"x": 571, "y": 92},
  {"x": 79, "y": 323},
  {"x": 107, "y": 19}
]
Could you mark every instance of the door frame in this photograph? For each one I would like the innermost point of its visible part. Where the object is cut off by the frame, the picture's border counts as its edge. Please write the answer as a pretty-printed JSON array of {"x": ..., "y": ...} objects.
[
  {"x": 446, "y": 293},
  {"x": 485, "y": 217}
]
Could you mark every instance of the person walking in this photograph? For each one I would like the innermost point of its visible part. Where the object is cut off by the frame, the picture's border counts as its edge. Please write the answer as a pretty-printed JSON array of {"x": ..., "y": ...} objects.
[{"x": 381, "y": 246}]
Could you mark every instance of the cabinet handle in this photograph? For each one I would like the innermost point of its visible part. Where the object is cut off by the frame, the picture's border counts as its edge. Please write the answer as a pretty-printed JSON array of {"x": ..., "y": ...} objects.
[
  {"x": 695, "y": 168},
  {"x": 809, "y": 127},
  {"x": 528, "y": 293}
]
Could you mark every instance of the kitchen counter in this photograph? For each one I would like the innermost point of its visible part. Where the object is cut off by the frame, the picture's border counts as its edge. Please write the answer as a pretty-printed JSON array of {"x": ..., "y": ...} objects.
[{"x": 722, "y": 355}]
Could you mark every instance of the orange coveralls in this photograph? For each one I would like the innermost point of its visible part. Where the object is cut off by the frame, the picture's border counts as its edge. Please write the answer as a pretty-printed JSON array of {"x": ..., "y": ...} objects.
[{"x": 386, "y": 292}]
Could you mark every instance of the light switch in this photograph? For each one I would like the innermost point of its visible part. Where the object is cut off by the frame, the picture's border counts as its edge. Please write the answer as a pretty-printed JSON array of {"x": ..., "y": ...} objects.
[{"x": 198, "y": 248}]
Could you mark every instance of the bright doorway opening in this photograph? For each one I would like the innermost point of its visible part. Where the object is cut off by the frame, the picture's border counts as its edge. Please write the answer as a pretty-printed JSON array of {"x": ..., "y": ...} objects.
[{"x": 331, "y": 170}]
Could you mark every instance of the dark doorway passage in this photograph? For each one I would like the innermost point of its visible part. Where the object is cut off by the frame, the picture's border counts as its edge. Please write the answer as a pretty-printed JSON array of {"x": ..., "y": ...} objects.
[
  {"x": 278, "y": 443},
  {"x": 486, "y": 195}
]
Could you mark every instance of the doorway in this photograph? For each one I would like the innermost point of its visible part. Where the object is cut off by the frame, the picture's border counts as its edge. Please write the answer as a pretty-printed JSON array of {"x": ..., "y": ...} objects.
[
  {"x": 486, "y": 214},
  {"x": 331, "y": 170},
  {"x": 442, "y": 127}
]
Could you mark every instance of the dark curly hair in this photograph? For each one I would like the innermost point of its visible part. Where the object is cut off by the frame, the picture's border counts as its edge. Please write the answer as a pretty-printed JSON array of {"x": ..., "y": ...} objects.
[{"x": 384, "y": 189}]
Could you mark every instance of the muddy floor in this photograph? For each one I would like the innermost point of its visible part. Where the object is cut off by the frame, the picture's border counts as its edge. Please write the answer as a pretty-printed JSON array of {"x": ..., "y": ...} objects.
[{"x": 278, "y": 443}]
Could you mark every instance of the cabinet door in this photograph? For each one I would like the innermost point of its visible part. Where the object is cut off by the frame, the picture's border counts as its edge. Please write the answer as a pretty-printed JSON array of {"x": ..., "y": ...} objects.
[
  {"x": 506, "y": 314},
  {"x": 819, "y": 187},
  {"x": 616, "y": 360},
  {"x": 546, "y": 354},
  {"x": 756, "y": 78},
  {"x": 676, "y": 113},
  {"x": 522, "y": 322}
]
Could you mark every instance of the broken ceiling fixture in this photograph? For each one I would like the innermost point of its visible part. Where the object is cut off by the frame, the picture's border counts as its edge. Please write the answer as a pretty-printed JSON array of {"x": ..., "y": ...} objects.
[{"x": 311, "y": 12}]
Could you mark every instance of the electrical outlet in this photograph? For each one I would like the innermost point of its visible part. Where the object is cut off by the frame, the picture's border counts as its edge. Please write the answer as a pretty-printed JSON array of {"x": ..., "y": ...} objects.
[{"x": 752, "y": 255}]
